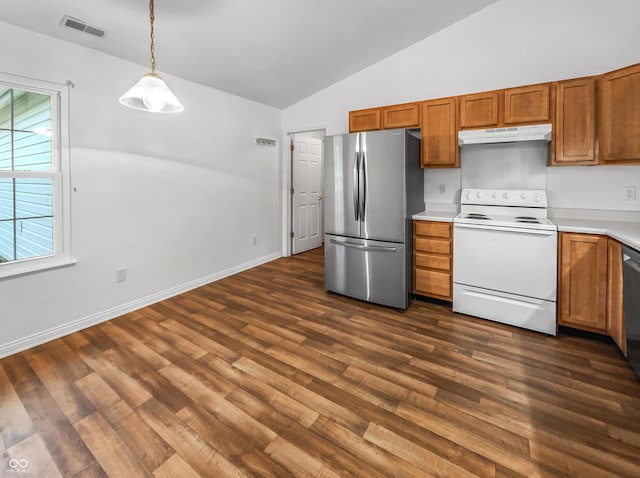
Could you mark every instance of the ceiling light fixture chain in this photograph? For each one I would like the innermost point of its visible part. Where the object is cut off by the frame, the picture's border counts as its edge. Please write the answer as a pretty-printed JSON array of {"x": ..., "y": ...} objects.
[
  {"x": 152, "y": 17},
  {"x": 151, "y": 93}
]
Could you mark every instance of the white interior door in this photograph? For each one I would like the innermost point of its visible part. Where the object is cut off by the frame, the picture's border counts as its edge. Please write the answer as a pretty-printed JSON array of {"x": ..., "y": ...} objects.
[{"x": 307, "y": 193}]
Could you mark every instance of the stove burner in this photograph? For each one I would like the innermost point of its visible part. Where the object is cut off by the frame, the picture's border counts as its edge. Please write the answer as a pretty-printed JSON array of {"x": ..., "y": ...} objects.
[{"x": 527, "y": 219}]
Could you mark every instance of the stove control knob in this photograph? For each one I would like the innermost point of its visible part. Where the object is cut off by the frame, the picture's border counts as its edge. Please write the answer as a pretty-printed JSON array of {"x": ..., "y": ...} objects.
[
  {"x": 494, "y": 195},
  {"x": 536, "y": 198},
  {"x": 506, "y": 195},
  {"x": 468, "y": 195},
  {"x": 479, "y": 194},
  {"x": 523, "y": 195}
]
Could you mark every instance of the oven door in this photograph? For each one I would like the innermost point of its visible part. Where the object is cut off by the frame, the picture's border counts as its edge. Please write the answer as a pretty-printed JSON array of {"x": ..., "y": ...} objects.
[{"x": 506, "y": 259}]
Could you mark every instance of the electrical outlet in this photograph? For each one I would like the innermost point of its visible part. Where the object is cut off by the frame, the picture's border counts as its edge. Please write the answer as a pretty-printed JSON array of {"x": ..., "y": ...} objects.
[
  {"x": 121, "y": 274},
  {"x": 254, "y": 240},
  {"x": 629, "y": 193}
]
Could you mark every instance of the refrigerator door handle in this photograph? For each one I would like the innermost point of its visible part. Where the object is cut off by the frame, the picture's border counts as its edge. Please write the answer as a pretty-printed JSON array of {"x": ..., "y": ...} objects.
[
  {"x": 362, "y": 247},
  {"x": 356, "y": 179},
  {"x": 363, "y": 185}
]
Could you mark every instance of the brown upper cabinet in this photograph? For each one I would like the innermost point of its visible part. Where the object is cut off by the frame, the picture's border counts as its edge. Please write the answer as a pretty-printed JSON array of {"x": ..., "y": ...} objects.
[
  {"x": 527, "y": 104},
  {"x": 406, "y": 115},
  {"x": 364, "y": 120},
  {"x": 479, "y": 110},
  {"x": 619, "y": 116},
  {"x": 439, "y": 134},
  {"x": 512, "y": 106},
  {"x": 595, "y": 120},
  {"x": 574, "y": 132},
  {"x": 401, "y": 116}
]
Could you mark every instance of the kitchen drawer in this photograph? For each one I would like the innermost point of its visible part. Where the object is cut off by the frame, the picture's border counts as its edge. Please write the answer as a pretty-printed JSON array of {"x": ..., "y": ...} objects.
[
  {"x": 427, "y": 244},
  {"x": 433, "y": 229},
  {"x": 432, "y": 261},
  {"x": 432, "y": 283}
]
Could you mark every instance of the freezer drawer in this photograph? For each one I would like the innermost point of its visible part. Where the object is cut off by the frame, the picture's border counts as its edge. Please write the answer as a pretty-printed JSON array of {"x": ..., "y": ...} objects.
[
  {"x": 525, "y": 312},
  {"x": 374, "y": 271}
]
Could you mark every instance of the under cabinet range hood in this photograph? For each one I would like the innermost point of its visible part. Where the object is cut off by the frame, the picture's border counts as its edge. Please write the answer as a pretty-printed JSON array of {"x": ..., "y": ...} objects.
[{"x": 508, "y": 134}]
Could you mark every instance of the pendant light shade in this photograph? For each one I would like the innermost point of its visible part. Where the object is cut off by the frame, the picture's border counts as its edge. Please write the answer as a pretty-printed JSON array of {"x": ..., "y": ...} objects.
[{"x": 151, "y": 93}]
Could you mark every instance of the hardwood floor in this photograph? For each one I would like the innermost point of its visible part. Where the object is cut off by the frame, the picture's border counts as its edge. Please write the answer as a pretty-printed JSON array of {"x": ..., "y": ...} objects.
[{"x": 264, "y": 374}]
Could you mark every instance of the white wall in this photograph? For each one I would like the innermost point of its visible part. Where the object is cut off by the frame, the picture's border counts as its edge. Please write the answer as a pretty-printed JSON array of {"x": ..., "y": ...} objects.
[
  {"x": 599, "y": 187},
  {"x": 524, "y": 166},
  {"x": 173, "y": 198},
  {"x": 509, "y": 43}
]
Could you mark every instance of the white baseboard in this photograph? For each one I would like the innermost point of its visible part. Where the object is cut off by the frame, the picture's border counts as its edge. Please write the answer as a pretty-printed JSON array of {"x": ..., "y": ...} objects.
[{"x": 39, "y": 338}]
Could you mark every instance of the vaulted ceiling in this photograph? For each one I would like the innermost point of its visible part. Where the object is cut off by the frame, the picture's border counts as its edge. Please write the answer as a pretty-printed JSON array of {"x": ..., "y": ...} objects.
[{"x": 275, "y": 52}]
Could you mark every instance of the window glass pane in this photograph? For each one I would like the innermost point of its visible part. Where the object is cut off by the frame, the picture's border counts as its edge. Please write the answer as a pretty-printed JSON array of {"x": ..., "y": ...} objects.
[
  {"x": 34, "y": 237},
  {"x": 5, "y": 108},
  {"x": 31, "y": 111},
  {"x": 26, "y": 200},
  {"x": 6, "y": 198},
  {"x": 5, "y": 150},
  {"x": 26, "y": 218},
  {"x": 33, "y": 198},
  {"x": 31, "y": 152},
  {"x": 6, "y": 241}
]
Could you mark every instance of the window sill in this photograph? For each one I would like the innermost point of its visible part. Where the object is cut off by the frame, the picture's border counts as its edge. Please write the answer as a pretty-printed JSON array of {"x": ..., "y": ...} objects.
[{"x": 31, "y": 267}]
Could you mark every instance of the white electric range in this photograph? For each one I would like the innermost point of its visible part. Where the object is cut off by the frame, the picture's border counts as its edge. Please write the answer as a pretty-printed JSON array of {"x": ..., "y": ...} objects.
[{"x": 505, "y": 258}]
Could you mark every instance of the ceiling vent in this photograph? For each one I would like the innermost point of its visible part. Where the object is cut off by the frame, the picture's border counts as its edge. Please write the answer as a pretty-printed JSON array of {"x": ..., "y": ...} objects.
[{"x": 76, "y": 24}]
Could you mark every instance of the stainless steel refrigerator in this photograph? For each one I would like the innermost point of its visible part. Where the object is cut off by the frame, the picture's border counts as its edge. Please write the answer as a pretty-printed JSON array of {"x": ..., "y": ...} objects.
[{"x": 373, "y": 185}]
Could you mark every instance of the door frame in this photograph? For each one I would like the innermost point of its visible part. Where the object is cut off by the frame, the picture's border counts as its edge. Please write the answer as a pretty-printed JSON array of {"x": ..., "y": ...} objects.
[{"x": 287, "y": 176}]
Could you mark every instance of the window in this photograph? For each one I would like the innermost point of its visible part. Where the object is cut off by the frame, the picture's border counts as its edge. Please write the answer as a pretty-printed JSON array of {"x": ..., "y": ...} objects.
[{"x": 34, "y": 170}]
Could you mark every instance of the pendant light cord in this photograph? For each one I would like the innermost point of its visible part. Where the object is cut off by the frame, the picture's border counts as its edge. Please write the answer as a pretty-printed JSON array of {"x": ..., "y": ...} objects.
[{"x": 153, "y": 53}]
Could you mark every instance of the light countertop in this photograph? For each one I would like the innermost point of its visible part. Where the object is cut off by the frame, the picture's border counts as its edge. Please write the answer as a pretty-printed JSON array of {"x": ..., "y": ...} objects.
[
  {"x": 441, "y": 215},
  {"x": 627, "y": 232}
]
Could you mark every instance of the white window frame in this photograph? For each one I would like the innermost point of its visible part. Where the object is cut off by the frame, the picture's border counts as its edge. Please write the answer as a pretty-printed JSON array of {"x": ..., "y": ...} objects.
[{"x": 60, "y": 174}]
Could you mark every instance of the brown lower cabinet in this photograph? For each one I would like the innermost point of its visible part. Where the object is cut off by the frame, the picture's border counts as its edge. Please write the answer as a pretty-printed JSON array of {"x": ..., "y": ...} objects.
[
  {"x": 589, "y": 277},
  {"x": 432, "y": 259},
  {"x": 615, "y": 310},
  {"x": 590, "y": 285},
  {"x": 583, "y": 282}
]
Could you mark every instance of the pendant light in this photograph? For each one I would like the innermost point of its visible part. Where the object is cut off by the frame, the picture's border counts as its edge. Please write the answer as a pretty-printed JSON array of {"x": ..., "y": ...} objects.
[{"x": 151, "y": 93}]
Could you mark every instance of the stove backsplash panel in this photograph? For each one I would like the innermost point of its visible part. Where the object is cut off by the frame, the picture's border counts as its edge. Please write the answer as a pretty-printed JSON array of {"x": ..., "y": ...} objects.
[
  {"x": 504, "y": 166},
  {"x": 524, "y": 165}
]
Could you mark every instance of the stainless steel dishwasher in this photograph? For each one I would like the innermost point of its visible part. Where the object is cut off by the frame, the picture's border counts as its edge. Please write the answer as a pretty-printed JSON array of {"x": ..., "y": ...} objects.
[{"x": 631, "y": 292}]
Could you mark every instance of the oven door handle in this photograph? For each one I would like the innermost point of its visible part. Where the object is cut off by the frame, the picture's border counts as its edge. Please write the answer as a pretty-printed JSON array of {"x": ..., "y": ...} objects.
[{"x": 517, "y": 230}]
